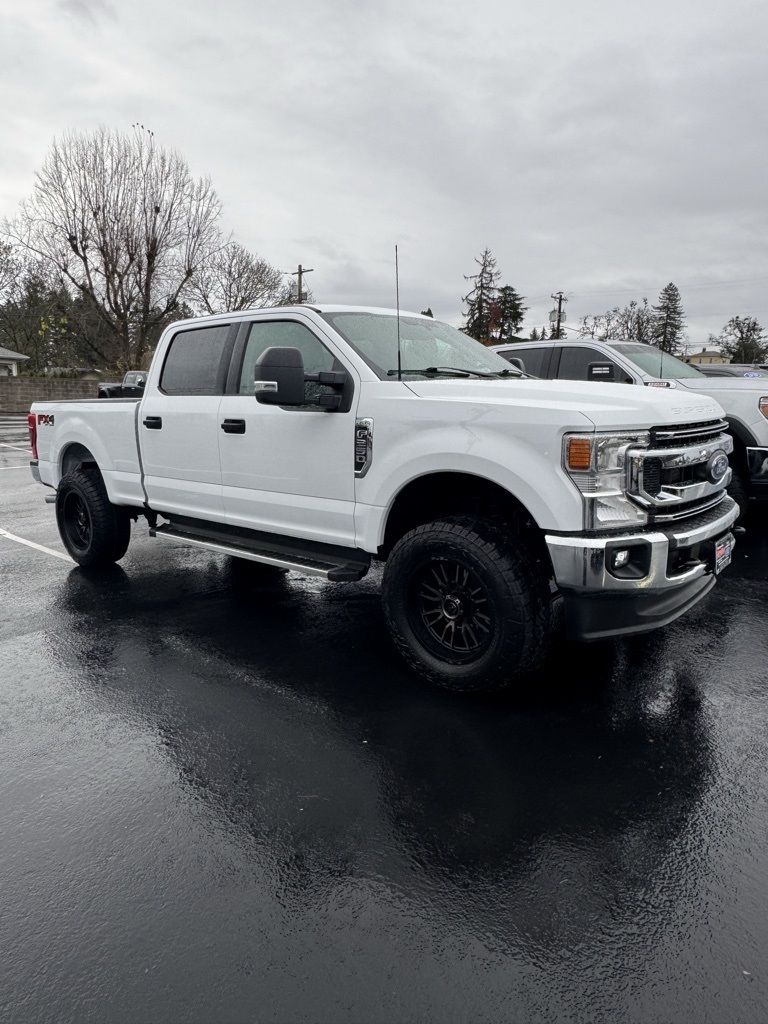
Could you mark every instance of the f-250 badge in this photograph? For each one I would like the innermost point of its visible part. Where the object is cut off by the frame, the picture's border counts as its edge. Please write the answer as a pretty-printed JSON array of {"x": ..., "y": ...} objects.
[{"x": 363, "y": 446}]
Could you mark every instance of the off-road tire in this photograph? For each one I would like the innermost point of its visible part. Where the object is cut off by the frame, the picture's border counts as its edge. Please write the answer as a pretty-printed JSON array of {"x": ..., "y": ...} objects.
[
  {"x": 94, "y": 531},
  {"x": 467, "y": 605}
]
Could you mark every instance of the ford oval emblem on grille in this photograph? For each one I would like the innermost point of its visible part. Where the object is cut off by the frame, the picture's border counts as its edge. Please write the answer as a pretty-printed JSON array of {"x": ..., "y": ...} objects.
[{"x": 717, "y": 467}]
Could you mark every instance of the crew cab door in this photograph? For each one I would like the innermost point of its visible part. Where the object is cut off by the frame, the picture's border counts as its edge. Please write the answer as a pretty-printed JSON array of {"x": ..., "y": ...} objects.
[
  {"x": 536, "y": 359},
  {"x": 179, "y": 424},
  {"x": 572, "y": 362},
  {"x": 286, "y": 470}
]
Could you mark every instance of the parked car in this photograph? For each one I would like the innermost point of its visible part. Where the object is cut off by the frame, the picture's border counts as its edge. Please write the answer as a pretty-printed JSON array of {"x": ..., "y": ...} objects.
[
  {"x": 744, "y": 400},
  {"x": 320, "y": 438},
  {"x": 749, "y": 370},
  {"x": 132, "y": 386}
]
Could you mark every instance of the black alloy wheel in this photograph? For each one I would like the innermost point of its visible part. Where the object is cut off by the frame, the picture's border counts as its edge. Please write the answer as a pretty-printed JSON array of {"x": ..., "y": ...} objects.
[
  {"x": 449, "y": 605},
  {"x": 77, "y": 521}
]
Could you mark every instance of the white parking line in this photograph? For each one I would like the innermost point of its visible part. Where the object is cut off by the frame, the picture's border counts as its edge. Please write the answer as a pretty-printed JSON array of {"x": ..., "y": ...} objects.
[
  {"x": 37, "y": 547},
  {"x": 16, "y": 447},
  {"x": 23, "y": 465}
]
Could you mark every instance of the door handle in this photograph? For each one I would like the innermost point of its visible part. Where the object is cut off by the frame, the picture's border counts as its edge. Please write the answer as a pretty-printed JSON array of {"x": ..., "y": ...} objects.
[
  {"x": 233, "y": 426},
  {"x": 153, "y": 422}
]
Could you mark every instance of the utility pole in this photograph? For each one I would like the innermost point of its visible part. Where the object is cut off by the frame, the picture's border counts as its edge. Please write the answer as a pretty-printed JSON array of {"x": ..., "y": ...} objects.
[
  {"x": 301, "y": 272},
  {"x": 557, "y": 316}
]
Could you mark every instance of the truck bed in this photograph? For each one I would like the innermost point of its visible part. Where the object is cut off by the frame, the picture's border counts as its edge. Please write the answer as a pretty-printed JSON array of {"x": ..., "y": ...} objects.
[{"x": 106, "y": 427}]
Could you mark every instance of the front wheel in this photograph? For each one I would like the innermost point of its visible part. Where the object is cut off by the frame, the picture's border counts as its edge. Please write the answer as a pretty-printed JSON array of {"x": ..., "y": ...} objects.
[
  {"x": 466, "y": 606},
  {"x": 94, "y": 531}
]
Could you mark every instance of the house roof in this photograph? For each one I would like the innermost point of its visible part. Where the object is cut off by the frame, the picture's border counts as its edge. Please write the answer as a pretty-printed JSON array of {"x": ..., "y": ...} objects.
[{"x": 5, "y": 353}]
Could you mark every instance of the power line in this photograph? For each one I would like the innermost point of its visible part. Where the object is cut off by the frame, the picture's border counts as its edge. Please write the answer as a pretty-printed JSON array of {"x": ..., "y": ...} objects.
[
  {"x": 643, "y": 288},
  {"x": 301, "y": 294}
]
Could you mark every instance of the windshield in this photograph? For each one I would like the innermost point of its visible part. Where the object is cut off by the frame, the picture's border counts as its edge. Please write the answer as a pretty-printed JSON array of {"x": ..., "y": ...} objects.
[
  {"x": 655, "y": 363},
  {"x": 424, "y": 344}
]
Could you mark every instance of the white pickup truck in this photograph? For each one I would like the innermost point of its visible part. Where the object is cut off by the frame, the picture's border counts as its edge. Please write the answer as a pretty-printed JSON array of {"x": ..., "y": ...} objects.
[
  {"x": 744, "y": 399},
  {"x": 319, "y": 438}
]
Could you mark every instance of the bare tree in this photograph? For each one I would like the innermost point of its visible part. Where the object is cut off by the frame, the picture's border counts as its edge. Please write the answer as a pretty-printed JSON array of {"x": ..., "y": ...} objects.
[
  {"x": 8, "y": 270},
  {"x": 234, "y": 278},
  {"x": 632, "y": 323},
  {"x": 125, "y": 225}
]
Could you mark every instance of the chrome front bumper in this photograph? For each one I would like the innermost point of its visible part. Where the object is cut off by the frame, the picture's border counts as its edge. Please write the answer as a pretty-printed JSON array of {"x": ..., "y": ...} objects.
[{"x": 582, "y": 563}]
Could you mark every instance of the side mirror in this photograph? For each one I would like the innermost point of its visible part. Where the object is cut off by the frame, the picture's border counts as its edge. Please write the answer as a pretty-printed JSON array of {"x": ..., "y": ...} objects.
[
  {"x": 279, "y": 377},
  {"x": 600, "y": 371},
  {"x": 140, "y": 382},
  {"x": 516, "y": 361}
]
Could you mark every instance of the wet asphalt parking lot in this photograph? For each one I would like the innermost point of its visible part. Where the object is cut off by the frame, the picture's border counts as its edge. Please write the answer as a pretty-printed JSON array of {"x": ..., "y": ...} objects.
[{"x": 221, "y": 802}]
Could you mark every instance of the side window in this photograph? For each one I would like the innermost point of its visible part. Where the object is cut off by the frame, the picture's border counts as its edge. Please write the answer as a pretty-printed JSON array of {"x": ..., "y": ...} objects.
[
  {"x": 534, "y": 359},
  {"x": 574, "y": 363},
  {"x": 193, "y": 363},
  {"x": 285, "y": 334}
]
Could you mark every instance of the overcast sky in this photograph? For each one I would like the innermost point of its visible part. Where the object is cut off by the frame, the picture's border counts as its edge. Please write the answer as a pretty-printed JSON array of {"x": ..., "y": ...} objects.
[{"x": 598, "y": 147}]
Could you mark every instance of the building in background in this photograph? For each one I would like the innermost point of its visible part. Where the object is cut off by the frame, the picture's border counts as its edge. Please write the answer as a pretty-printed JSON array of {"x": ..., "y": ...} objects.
[
  {"x": 9, "y": 362},
  {"x": 706, "y": 355}
]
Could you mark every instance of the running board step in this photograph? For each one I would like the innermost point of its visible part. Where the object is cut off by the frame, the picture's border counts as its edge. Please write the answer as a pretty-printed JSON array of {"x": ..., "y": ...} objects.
[{"x": 339, "y": 565}]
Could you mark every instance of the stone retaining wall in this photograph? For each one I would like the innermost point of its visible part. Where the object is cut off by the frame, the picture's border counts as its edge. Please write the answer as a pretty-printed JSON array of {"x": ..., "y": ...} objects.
[{"x": 18, "y": 393}]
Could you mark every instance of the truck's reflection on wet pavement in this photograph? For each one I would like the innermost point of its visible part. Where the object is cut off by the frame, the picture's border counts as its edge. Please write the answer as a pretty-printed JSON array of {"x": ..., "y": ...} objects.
[{"x": 227, "y": 801}]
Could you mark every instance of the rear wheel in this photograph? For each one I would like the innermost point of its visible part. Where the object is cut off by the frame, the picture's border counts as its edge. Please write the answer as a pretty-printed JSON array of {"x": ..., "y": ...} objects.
[
  {"x": 466, "y": 605},
  {"x": 94, "y": 531}
]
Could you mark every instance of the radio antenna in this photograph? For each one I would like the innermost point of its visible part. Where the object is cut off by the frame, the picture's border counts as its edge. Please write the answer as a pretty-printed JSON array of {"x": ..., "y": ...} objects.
[{"x": 397, "y": 298}]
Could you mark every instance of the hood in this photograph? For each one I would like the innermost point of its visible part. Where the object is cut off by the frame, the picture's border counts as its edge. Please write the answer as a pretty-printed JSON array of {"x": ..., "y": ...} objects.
[
  {"x": 607, "y": 406},
  {"x": 715, "y": 385}
]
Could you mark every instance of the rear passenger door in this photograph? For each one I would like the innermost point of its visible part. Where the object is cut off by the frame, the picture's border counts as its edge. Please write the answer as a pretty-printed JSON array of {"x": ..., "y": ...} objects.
[
  {"x": 572, "y": 362},
  {"x": 179, "y": 424},
  {"x": 536, "y": 359}
]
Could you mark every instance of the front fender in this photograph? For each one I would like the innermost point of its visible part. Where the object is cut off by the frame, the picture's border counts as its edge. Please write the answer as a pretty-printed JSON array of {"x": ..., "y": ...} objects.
[{"x": 529, "y": 470}]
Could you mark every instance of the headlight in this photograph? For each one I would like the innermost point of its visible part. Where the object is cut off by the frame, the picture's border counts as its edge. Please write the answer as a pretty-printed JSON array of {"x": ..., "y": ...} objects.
[{"x": 597, "y": 464}]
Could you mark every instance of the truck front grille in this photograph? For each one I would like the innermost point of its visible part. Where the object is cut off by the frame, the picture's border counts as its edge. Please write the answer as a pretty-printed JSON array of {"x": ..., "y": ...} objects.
[
  {"x": 670, "y": 479},
  {"x": 690, "y": 434}
]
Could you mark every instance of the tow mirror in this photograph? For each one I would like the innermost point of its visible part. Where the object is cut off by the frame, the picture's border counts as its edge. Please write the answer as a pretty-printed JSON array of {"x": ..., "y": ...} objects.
[
  {"x": 600, "y": 371},
  {"x": 279, "y": 377},
  {"x": 516, "y": 361}
]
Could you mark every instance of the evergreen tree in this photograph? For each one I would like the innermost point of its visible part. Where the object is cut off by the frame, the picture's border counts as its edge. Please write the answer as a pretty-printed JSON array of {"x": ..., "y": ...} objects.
[
  {"x": 668, "y": 320},
  {"x": 743, "y": 339},
  {"x": 534, "y": 335},
  {"x": 543, "y": 335},
  {"x": 427, "y": 312},
  {"x": 480, "y": 299},
  {"x": 511, "y": 313}
]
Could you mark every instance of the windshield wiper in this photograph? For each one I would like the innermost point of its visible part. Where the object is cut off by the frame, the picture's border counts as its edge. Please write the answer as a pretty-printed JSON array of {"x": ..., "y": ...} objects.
[{"x": 456, "y": 371}]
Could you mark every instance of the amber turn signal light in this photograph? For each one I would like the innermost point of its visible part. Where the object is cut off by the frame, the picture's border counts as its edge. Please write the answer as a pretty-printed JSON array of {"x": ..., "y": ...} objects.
[{"x": 579, "y": 453}]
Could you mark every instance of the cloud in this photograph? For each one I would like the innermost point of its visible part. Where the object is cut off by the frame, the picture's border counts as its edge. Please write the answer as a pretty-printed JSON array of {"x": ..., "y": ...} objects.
[
  {"x": 593, "y": 147},
  {"x": 92, "y": 11}
]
